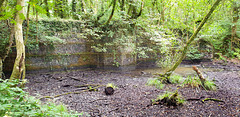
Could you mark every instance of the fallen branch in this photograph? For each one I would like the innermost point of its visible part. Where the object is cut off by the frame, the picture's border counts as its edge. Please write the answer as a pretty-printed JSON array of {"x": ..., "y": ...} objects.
[
  {"x": 212, "y": 99},
  {"x": 206, "y": 99},
  {"x": 87, "y": 85},
  {"x": 90, "y": 89}
]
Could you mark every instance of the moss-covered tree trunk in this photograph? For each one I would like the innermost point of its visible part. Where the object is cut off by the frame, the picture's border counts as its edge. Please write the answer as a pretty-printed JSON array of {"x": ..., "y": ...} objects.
[
  {"x": 234, "y": 38},
  {"x": 19, "y": 65},
  {"x": 185, "y": 49}
]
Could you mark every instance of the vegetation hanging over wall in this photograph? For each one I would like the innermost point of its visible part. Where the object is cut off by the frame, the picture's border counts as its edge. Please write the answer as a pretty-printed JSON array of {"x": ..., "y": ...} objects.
[{"x": 156, "y": 29}]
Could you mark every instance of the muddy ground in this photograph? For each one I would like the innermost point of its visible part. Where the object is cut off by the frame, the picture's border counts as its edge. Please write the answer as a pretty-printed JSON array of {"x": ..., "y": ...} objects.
[{"x": 132, "y": 98}]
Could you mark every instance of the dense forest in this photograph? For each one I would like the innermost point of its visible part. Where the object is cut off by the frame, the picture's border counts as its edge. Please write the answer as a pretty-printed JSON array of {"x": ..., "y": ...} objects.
[{"x": 168, "y": 31}]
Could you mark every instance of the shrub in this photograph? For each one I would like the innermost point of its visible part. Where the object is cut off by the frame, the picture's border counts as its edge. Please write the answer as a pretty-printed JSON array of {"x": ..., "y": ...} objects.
[{"x": 16, "y": 102}]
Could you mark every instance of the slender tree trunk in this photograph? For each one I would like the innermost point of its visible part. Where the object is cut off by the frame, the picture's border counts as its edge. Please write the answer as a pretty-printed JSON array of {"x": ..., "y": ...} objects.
[
  {"x": 235, "y": 20},
  {"x": 113, "y": 9},
  {"x": 1, "y": 68},
  {"x": 82, "y": 6},
  {"x": 122, "y": 4},
  {"x": 47, "y": 8},
  {"x": 28, "y": 9},
  {"x": 185, "y": 49},
  {"x": 74, "y": 11},
  {"x": 19, "y": 65},
  {"x": 162, "y": 12},
  {"x": 140, "y": 12},
  {"x": 36, "y": 25}
]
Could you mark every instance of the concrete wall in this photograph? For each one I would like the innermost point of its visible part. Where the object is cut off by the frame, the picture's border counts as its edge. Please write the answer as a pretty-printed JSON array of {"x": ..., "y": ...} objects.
[{"x": 74, "y": 53}]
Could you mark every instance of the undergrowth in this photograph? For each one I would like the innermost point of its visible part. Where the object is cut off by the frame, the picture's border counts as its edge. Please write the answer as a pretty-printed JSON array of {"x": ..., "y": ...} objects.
[
  {"x": 173, "y": 79},
  {"x": 15, "y": 102},
  {"x": 193, "y": 81},
  {"x": 169, "y": 99},
  {"x": 155, "y": 82}
]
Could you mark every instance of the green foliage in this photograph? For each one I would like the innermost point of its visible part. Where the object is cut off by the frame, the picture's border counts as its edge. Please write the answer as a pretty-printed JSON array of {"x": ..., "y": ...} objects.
[
  {"x": 52, "y": 40},
  {"x": 193, "y": 53},
  {"x": 16, "y": 102},
  {"x": 176, "y": 78},
  {"x": 155, "y": 82},
  {"x": 4, "y": 36},
  {"x": 237, "y": 53},
  {"x": 210, "y": 85}
]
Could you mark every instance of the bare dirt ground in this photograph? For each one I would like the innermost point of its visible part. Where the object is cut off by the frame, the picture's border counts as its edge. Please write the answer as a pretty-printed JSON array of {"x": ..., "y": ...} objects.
[{"x": 132, "y": 98}]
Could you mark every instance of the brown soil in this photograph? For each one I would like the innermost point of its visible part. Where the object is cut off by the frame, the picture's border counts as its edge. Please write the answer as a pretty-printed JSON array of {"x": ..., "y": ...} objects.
[{"x": 133, "y": 97}]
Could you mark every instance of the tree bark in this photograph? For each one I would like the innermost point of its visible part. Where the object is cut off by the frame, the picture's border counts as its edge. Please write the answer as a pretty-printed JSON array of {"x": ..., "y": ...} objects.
[
  {"x": 19, "y": 65},
  {"x": 185, "y": 49}
]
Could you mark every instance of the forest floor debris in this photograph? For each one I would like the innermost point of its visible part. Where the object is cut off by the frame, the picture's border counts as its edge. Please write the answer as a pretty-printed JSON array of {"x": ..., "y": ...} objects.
[{"x": 132, "y": 96}]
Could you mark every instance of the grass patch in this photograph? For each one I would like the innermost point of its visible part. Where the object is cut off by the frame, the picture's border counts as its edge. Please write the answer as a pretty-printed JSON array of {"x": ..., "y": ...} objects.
[
  {"x": 155, "y": 82},
  {"x": 194, "y": 81},
  {"x": 173, "y": 79}
]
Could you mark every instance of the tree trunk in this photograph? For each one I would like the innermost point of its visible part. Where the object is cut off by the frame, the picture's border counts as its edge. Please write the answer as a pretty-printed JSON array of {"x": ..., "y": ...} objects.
[
  {"x": 47, "y": 7},
  {"x": 122, "y": 4},
  {"x": 1, "y": 68},
  {"x": 74, "y": 11},
  {"x": 234, "y": 27},
  {"x": 28, "y": 9},
  {"x": 185, "y": 49},
  {"x": 19, "y": 65},
  {"x": 82, "y": 6},
  {"x": 113, "y": 9}
]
